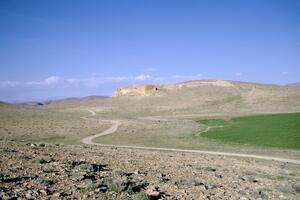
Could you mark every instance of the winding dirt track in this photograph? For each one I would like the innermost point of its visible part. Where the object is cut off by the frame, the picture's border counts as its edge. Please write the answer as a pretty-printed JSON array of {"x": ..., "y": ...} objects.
[
  {"x": 115, "y": 125},
  {"x": 112, "y": 129}
]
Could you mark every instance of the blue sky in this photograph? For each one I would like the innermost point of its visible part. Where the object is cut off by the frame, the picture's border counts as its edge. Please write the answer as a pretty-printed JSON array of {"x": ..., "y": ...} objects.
[{"x": 60, "y": 48}]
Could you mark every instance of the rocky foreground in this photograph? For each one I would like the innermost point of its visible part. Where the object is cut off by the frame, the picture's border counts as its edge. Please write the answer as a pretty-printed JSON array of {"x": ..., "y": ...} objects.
[{"x": 38, "y": 171}]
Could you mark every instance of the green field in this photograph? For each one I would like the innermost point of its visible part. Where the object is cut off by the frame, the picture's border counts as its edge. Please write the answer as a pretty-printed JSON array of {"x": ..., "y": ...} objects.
[{"x": 276, "y": 130}]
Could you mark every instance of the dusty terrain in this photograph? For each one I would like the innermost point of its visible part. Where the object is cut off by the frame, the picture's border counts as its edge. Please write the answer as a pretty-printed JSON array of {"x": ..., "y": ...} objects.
[
  {"x": 164, "y": 117},
  {"x": 68, "y": 172}
]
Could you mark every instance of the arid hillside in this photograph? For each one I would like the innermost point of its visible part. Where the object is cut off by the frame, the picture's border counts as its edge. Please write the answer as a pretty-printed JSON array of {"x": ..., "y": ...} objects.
[
  {"x": 150, "y": 145},
  {"x": 146, "y": 107},
  {"x": 196, "y": 97}
]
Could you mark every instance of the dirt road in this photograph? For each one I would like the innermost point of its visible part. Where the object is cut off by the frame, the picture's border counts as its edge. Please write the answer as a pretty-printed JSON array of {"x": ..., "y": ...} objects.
[
  {"x": 115, "y": 125},
  {"x": 112, "y": 129}
]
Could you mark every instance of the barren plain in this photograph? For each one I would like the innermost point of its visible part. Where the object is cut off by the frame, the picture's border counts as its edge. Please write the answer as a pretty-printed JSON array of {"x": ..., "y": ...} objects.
[{"x": 43, "y": 155}]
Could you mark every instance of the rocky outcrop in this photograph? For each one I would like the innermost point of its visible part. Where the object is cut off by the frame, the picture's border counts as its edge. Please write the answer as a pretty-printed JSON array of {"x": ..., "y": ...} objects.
[
  {"x": 145, "y": 90},
  {"x": 142, "y": 90}
]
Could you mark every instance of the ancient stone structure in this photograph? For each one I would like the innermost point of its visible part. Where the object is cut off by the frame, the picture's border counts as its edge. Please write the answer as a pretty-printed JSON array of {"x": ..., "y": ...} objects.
[{"x": 142, "y": 90}]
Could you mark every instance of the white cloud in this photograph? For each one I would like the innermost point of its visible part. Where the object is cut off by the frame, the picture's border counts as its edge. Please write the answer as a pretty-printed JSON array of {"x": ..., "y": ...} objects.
[
  {"x": 95, "y": 81},
  {"x": 238, "y": 74},
  {"x": 60, "y": 87},
  {"x": 4, "y": 84},
  {"x": 142, "y": 77},
  {"x": 52, "y": 80}
]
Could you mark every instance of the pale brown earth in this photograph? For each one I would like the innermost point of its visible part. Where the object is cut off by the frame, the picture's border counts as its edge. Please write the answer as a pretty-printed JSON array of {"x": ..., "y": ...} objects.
[
  {"x": 160, "y": 116},
  {"x": 196, "y": 97},
  {"x": 79, "y": 172}
]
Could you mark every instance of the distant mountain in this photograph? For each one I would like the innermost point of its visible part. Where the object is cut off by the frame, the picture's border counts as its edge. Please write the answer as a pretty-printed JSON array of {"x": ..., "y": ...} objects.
[
  {"x": 66, "y": 100},
  {"x": 3, "y": 103},
  {"x": 294, "y": 84},
  {"x": 75, "y": 99}
]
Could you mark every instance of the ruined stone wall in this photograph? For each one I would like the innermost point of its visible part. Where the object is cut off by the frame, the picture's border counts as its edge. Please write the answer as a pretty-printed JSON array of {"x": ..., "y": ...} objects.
[{"x": 141, "y": 90}]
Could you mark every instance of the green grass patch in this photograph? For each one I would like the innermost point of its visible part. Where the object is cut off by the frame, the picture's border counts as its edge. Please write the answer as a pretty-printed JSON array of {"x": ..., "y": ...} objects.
[
  {"x": 275, "y": 130},
  {"x": 215, "y": 122}
]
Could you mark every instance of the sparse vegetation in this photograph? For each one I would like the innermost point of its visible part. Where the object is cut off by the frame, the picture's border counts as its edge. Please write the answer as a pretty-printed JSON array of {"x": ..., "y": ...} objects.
[
  {"x": 45, "y": 125},
  {"x": 168, "y": 120},
  {"x": 141, "y": 196}
]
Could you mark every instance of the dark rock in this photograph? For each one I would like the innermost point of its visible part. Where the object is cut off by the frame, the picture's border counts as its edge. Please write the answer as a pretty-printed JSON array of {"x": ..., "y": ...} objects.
[
  {"x": 196, "y": 183},
  {"x": 139, "y": 186},
  {"x": 45, "y": 159},
  {"x": 6, "y": 179},
  {"x": 50, "y": 170},
  {"x": 163, "y": 178},
  {"x": 65, "y": 194},
  {"x": 75, "y": 163},
  {"x": 3, "y": 189},
  {"x": 88, "y": 167},
  {"x": 126, "y": 174},
  {"x": 101, "y": 188},
  {"x": 50, "y": 190}
]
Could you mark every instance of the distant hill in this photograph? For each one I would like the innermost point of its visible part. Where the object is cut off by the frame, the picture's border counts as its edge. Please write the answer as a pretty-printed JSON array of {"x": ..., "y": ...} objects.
[
  {"x": 206, "y": 96},
  {"x": 75, "y": 99},
  {"x": 66, "y": 100},
  {"x": 147, "y": 90},
  {"x": 294, "y": 84},
  {"x": 3, "y": 103},
  {"x": 218, "y": 97}
]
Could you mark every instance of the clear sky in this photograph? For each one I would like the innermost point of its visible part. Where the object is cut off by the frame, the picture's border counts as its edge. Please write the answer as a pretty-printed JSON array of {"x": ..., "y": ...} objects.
[{"x": 60, "y": 48}]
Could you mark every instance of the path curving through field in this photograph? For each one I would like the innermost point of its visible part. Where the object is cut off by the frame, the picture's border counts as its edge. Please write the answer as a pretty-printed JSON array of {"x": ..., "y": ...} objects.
[{"x": 114, "y": 127}]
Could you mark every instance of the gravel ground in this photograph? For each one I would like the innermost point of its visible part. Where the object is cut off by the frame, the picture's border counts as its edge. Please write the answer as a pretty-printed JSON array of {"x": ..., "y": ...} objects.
[{"x": 39, "y": 171}]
